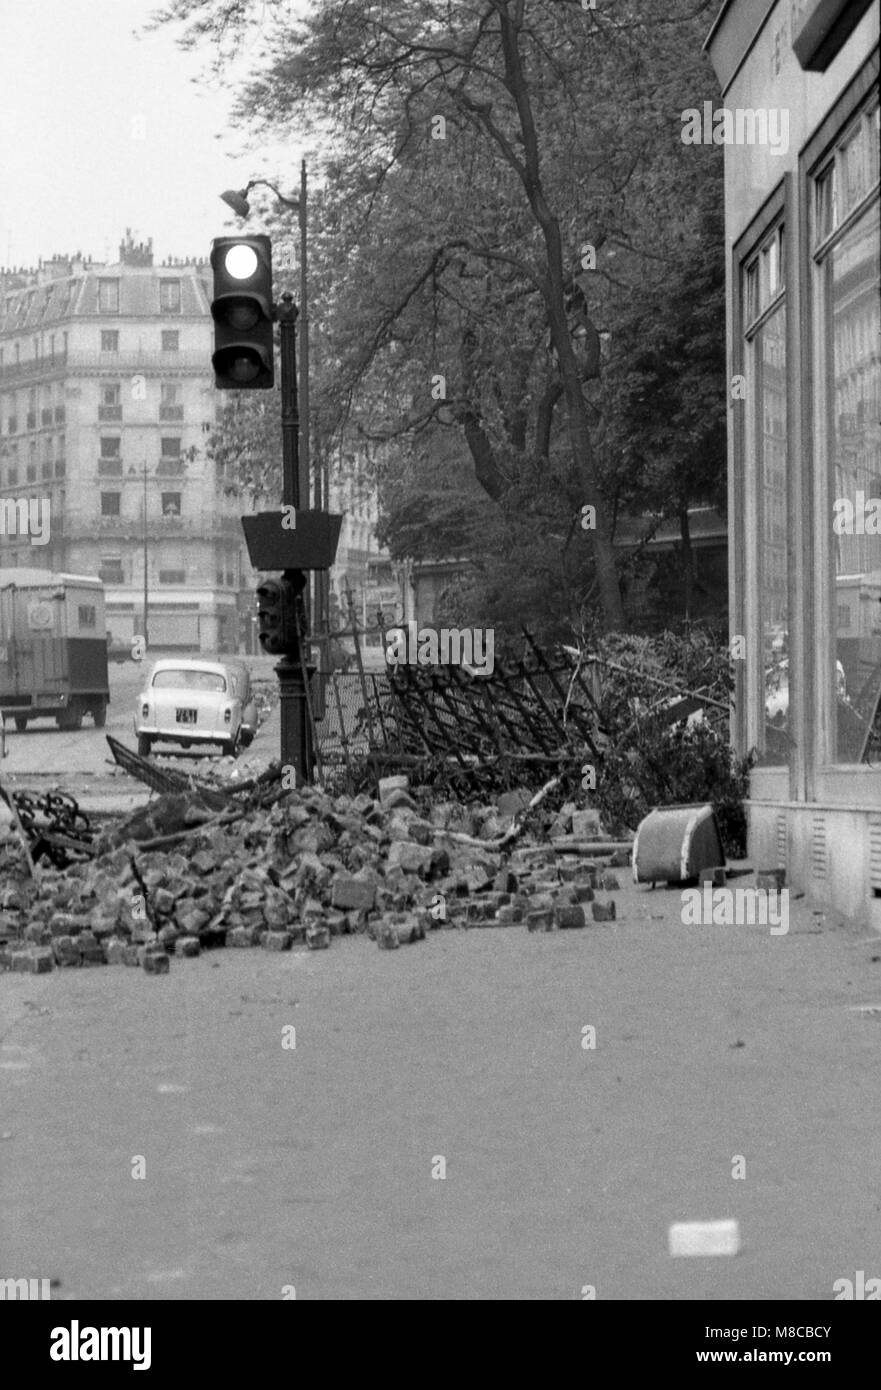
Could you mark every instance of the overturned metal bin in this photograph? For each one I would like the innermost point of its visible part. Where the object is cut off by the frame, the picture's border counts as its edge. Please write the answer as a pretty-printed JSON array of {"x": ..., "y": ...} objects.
[{"x": 674, "y": 843}]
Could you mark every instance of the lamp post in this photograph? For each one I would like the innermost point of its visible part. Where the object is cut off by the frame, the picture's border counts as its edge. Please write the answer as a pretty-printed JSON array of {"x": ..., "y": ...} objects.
[
  {"x": 132, "y": 473},
  {"x": 296, "y": 432},
  {"x": 146, "y": 572}
]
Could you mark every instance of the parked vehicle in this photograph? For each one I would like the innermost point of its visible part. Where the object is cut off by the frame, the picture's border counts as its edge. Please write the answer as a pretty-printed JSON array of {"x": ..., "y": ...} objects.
[
  {"x": 196, "y": 703},
  {"x": 53, "y": 648}
]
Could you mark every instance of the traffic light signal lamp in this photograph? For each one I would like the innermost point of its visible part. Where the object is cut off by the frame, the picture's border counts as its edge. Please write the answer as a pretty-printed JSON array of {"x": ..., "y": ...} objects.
[
  {"x": 278, "y": 629},
  {"x": 242, "y": 310}
]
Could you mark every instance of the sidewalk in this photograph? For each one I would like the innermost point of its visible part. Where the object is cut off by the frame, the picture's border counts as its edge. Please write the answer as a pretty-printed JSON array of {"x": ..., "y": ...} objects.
[{"x": 564, "y": 1166}]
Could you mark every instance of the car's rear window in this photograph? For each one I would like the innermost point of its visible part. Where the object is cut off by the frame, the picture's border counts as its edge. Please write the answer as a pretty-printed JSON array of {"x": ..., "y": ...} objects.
[{"x": 189, "y": 680}]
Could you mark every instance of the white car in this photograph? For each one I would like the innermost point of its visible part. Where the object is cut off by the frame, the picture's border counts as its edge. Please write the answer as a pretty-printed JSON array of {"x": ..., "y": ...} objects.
[{"x": 196, "y": 702}]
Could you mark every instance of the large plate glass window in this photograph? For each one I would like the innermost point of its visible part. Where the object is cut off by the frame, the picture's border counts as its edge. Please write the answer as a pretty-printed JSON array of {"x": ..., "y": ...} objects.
[
  {"x": 764, "y": 358},
  {"x": 845, "y": 244}
]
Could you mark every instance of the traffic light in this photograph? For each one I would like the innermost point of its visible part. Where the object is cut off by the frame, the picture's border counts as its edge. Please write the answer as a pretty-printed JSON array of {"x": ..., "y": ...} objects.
[
  {"x": 277, "y": 630},
  {"x": 242, "y": 312}
]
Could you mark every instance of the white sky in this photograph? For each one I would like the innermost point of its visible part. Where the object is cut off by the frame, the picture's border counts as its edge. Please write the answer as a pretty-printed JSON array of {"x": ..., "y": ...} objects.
[{"x": 77, "y": 88}]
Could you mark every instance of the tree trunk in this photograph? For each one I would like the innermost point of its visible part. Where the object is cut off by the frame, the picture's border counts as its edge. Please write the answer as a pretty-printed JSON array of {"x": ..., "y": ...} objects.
[{"x": 553, "y": 291}]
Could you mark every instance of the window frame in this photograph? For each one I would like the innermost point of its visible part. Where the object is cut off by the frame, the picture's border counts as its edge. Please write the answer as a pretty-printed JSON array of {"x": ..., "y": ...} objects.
[
  {"x": 106, "y": 284},
  {"x": 830, "y": 782},
  {"x": 772, "y": 220},
  {"x": 167, "y": 284}
]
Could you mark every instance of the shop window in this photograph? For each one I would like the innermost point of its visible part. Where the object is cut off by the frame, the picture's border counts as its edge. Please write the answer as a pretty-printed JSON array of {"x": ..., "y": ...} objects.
[
  {"x": 765, "y": 446},
  {"x": 845, "y": 238}
]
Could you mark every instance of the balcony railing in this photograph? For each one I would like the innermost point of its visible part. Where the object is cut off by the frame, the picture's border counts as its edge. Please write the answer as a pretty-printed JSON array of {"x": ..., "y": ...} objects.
[
  {"x": 171, "y": 412},
  {"x": 209, "y": 526},
  {"x": 109, "y": 412},
  {"x": 77, "y": 361},
  {"x": 110, "y": 468},
  {"x": 35, "y": 366}
]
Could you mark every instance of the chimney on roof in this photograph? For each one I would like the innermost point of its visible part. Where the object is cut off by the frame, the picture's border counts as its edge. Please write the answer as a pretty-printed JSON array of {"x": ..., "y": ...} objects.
[{"x": 135, "y": 253}]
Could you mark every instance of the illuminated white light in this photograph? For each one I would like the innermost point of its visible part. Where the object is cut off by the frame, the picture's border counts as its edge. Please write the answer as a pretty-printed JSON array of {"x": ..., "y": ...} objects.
[{"x": 241, "y": 262}]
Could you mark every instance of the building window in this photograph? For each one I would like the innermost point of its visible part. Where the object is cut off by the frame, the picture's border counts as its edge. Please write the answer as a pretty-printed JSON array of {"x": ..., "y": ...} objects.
[
  {"x": 171, "y": 503},
  {"x": 172, "y": 576},
  {"x": 86, "y": 614},
  {"x": 170, "y": 407},
  {"x": 108, "y": 296},
  {"x": 110, "y": 569},
  {"x": 170, "y": 447},
  {"x": 845, "y": 236},
  {"x": 169, "y": 296},
  {"x": 13, "y": 475},
  {"x": 110, "y": 340},
  {"x": 170, "y": 340},
  {"x": 110, "y": 461},
  {"x": 110, "y": 503},
  {"x": 111, "y": 401},
  {"x": 764, "y": 356}
]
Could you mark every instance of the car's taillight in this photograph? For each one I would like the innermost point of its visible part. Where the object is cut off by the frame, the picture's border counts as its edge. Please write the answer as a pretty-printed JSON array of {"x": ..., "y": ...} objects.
[
  {"x": 145, "y": 710},
  {"x": 227, "y": 715}
]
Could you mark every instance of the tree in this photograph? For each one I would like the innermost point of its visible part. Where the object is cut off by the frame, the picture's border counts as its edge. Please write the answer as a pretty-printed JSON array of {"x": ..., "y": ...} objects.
[{"x": 470, "y": 268}]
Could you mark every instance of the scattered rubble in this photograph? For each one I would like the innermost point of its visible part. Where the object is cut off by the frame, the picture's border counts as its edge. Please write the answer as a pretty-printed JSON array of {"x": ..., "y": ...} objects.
[{"x": 281, "y": 868}]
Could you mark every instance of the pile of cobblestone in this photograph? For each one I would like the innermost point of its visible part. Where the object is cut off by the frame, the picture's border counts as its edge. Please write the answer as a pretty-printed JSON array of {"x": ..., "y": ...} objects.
[{"x": 308, "y": 868}]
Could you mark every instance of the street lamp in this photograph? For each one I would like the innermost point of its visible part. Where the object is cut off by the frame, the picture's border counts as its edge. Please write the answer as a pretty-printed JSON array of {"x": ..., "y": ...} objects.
[
  {"x": 237, "y": 199},
  {"x": 133, "y": 473}
]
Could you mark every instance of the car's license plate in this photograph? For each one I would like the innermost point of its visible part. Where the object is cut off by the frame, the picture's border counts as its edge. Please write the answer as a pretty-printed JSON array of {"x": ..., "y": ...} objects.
[{"x": 185, "y": 716}]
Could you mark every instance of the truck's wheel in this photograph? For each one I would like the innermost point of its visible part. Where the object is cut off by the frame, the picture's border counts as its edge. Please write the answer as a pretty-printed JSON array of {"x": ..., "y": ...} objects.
[
  {"x": 99, "y": 714},
  {"x": 145, "y": 743},
  {"x": 21, "y": 723}
]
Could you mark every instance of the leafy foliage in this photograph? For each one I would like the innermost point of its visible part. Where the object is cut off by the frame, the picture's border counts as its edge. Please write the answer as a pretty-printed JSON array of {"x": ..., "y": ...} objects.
[
  {"x": 649, "y": 761},
  {"x": 468, "y": 151}
]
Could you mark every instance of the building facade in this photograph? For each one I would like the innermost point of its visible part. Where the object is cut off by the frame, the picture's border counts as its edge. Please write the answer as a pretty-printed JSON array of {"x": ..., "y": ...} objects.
[
  {"x": 803, "y": 251},
  {"x": 106, "y": 400}
]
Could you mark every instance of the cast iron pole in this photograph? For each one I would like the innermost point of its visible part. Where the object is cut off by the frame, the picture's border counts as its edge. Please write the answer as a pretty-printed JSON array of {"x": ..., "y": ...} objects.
[{"x": 296, "y": 750}]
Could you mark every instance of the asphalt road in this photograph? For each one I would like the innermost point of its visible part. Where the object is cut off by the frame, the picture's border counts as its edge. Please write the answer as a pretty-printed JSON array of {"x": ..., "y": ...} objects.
[
  {"x": 80, "y": 761},
  {"x": 312, "y": 1167}
]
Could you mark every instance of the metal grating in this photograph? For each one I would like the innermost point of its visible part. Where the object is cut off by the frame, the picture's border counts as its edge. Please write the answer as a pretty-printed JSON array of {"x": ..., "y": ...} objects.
[
  {"x": 818, "y": 847},
  {"x": 875, "y": 851}
]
